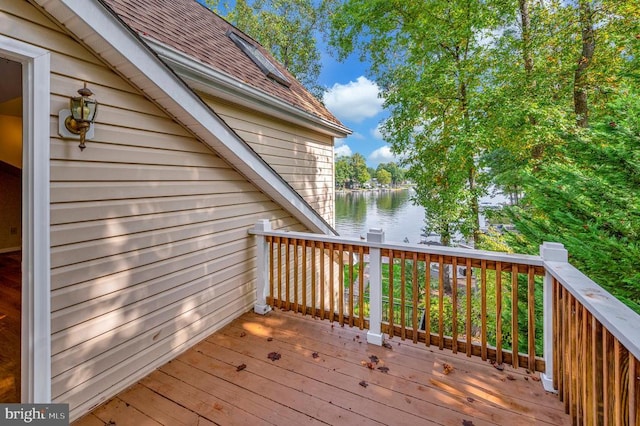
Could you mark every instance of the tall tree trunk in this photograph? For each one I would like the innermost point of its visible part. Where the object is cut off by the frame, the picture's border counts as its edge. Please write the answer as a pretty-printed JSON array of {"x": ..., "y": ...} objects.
[
  {"x": 581, "y": 106},
  {"x": 527, "y": 55}
]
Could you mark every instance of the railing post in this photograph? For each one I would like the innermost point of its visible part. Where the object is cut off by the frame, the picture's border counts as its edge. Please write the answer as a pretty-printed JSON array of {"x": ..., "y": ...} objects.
[
  {"x": 550, "y": 252},
  {"x": 262, "y": 268},
  {"x": 374, "y": 335}
]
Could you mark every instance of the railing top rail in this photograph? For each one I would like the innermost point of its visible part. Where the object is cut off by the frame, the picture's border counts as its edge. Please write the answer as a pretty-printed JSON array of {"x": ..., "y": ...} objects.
[
  {"x": 419, "y": 248},
  {"x": 615, "y": 316}
]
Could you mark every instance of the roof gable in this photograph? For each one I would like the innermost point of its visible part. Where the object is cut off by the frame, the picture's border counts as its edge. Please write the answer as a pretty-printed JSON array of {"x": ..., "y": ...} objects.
[
  {"x": 97, "y": 28},
  {"x": 190, "y": 28}
]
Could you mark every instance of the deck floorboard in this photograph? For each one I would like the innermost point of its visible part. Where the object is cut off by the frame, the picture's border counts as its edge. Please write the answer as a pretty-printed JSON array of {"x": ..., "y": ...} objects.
[{"x": 322, "y": 377}]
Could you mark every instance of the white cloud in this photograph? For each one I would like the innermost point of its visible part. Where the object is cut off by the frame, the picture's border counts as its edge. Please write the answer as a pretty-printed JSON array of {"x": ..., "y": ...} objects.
[
  {"x": 354, "y": 101},
  {"x": 382, "y": 155},
  {"x": 376, "y": 133},
  {"x": 342, "y": 149}
]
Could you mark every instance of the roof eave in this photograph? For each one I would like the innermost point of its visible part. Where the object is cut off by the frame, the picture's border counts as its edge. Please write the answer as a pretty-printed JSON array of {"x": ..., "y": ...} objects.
[
  {"x": 208, "y": 80},
  {"x": 94, "y": 24}
]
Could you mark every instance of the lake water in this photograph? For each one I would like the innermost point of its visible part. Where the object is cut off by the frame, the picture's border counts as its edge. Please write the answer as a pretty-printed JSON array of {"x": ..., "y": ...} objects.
[
  {"x": 393, "y": 211},
  {"x": 359, "y": 211}
]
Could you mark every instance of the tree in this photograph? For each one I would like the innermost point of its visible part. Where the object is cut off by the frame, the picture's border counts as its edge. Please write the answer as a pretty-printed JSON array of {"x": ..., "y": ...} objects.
[
  {"x": 287, "y": 28},
  {"x": 429, "y": 59},
  {"x": 358, "y": 169},
  {"x": 342, "y": 172},
  {"x": 397, "y": 174},
  {"x": 383, "y": 176},
  {"x": 588, "y": 198}
]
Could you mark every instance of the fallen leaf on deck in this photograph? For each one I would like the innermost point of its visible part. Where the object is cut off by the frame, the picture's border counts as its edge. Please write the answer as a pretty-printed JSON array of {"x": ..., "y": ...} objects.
[
  {"x": 315, "y": 355},
  {"x": 367, "y": 364},
  {"x": 535, "y": 378},
  {"x": 387, "y": 345},
  {"x": 241, "y": 367},
  {"x": 467, "y": 423},
  {"x": 384, "y": 369},
  {"x": 470, "y": 399},
  {"x": 269, "y": 339},
  {"x": 447, "y": 368},
  {"x": 243, "y": 334},
  {"x": 374, "y": 358},
  {"x": 499, "y": 367},
  {"x": 273, "y": 356},
  {"x": 363, "y": 384},
  {"x": 526, "y": 378},
  {"x": 218, "y": 406},
  {"x": 510, "y": 377}
]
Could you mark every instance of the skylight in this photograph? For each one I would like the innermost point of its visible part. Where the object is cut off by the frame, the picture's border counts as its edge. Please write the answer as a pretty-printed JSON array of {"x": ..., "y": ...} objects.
[{"x": 267, "y": 67}]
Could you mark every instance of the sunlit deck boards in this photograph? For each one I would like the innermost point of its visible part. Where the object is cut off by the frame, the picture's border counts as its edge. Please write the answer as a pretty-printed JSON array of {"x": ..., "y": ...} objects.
[{"x": 204, "y": 386}]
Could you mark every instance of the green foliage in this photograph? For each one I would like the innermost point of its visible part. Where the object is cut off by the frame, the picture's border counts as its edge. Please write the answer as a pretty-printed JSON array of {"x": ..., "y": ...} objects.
[
  {"x": 587, "y": 197},
  {"x": 397, "y": 174},
  {"x": 342, "y": 172},
  {"x": 383, "y": 177}
]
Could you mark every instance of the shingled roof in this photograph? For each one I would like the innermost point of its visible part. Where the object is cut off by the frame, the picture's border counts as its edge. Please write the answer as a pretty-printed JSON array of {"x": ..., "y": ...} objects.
[{"x": 192, "y": 29}]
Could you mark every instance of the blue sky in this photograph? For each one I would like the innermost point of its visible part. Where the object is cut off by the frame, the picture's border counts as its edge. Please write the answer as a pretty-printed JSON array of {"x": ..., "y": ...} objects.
[{"x": 353, "y": 98}]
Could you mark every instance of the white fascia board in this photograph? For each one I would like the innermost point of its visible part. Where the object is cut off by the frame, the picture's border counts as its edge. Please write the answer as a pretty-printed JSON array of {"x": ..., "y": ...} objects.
[
  {"x": 107, "y": 36},
  {"x": 216, "y": 83}
]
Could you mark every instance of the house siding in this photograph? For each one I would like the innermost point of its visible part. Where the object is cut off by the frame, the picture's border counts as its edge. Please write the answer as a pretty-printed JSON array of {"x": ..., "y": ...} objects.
[
  {"x": 302, "y": 157},
  {"x": 149, "y": 244}
]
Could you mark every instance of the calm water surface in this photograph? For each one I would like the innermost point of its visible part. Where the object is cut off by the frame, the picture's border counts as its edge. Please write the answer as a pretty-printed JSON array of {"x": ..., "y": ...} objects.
[{"x": 359, "y": 211}]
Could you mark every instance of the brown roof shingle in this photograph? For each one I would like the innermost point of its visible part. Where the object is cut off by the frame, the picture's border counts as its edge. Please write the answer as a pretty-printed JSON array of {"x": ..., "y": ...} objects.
[{"x": 191, "y": 28}]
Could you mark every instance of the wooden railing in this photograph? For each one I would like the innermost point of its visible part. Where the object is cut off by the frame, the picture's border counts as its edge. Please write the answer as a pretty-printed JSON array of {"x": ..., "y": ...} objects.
[{"x": 537, "y": 312}]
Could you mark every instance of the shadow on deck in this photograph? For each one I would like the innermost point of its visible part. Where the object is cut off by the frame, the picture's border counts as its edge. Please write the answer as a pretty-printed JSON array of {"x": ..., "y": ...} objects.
[{"x": 322, "y": 377}]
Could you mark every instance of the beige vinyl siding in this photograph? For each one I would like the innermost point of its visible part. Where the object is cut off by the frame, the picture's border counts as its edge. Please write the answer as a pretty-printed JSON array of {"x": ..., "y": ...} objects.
[
  {"x": 302, "y": 157},
  {"x": 150, "y": 251}
]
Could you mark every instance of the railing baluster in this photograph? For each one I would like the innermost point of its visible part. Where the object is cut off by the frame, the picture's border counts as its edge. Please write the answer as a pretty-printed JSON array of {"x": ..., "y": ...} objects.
[
  {"x": 531, "y": 305},
  {"x": 322, "y": 280},
  {"x": 414, "y": 294},
  {"x": 617, "y": 377},
  {"x": 403, "y": 288},
  {"x": 296, "y": 286},
  {"x": 454, "y": 304},
  {"x": 279, "y": 241},
  {"x": 498, "y": 313},
  {"x": 633, "y": 384},
  {"x": 332, "y": 306},
  {"x": 361, "y": 287},
  {"x": 351, "y": 296},
  {"x": 468, "y": 275},
  {"x": 440, "y": 301},
  {"x": 391, "y": 317},
  {"x": 341, "y": 284},
  {"x": 596, "y": 371},
  {"x": 427, "y": 299},
  {"x": 514, "y": 316},
  {"x": 606, "y": 380},
  {"x": 314, "y": 283},
  {"x": 287, "y": 246},
  {"x": 271, "y": 275},
  {"x": 304, "y": 278},
  {"x": 573, "y": 371},
  {"x": 483, "y": 308}
]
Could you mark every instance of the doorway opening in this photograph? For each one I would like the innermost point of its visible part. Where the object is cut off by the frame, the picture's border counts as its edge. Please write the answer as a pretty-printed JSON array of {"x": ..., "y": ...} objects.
[{"x": 11, "y": 154}]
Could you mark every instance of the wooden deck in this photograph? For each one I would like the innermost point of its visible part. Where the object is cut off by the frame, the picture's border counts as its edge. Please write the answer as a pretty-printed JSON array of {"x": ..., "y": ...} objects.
[{"x": 322, "y": 377}]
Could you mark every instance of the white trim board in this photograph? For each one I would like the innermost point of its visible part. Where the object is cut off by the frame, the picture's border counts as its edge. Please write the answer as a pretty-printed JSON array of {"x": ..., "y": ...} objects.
[{"x": 36, "y": 274}]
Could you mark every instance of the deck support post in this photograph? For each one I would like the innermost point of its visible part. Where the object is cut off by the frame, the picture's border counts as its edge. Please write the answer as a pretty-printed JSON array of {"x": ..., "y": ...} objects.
[
  {"x": 550, "y": 252},
  {"x": 374, "y": 335},
  {"x": 262, "y": 268}
]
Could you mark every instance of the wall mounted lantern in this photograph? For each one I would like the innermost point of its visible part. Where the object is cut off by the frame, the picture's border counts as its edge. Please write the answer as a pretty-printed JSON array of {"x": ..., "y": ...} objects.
[{"x": 76, "y": 121}]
